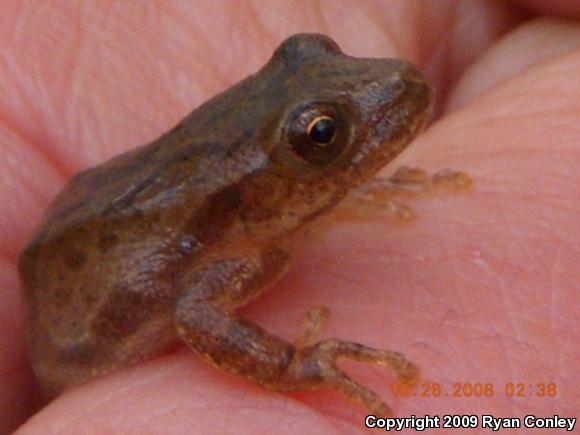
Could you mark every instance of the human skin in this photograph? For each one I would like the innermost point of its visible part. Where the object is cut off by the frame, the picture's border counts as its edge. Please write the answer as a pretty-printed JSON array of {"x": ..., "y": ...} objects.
[{"x": 481, "y": 287}]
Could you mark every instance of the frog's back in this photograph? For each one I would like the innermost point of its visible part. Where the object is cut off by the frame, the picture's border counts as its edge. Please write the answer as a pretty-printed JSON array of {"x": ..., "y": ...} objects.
[
  {"x": 214, "y": 146},
  {"x": 102, "y": 265}
]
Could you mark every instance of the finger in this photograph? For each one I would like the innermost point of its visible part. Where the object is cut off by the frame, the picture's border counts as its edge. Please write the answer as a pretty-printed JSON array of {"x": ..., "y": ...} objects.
[
  {"x": 560, "y": 8},
  {"x": 510, "y": 56}
]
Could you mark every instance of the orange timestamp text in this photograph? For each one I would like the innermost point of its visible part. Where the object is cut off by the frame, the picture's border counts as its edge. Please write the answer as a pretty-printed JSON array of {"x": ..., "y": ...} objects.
[{"x": 476, "y": 389}]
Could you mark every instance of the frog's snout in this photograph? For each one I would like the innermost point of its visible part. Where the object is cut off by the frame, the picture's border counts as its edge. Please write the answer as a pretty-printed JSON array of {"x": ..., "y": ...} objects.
[
  {"x": 412, "y": 88},
  {"x": 397, "y": 103},
  {"x": 418, "y": 90},
  {"x": 397, "y": 86}
]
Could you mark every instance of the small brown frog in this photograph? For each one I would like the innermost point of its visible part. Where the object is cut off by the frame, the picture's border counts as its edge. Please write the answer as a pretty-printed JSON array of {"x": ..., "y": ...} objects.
[{"x": 164, "y": 242}]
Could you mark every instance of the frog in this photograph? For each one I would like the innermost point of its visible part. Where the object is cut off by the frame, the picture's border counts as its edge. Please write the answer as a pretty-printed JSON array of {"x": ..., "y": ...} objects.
[{"x": 161, "y": 245}]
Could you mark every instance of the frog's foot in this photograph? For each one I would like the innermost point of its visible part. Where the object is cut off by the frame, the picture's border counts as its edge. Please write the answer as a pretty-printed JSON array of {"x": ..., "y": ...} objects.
[
  {"x": 315, "y": 366},
  {"x": 384, "y": 195},
  {"x": 315, "y": 363}
]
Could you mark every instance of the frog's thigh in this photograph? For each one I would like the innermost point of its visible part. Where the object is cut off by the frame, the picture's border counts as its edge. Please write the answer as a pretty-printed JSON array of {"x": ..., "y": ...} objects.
[
  {"x": 244, "y": 348},
  {"x": 385, "y": 195}
]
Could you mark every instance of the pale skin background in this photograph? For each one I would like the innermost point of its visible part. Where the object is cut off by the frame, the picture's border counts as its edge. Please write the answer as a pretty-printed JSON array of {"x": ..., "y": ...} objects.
[{"x": 481, "y": 287}]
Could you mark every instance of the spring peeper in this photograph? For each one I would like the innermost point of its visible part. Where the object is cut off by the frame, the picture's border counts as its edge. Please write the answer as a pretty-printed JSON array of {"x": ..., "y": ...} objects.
[{"x": 165, "y": 242}]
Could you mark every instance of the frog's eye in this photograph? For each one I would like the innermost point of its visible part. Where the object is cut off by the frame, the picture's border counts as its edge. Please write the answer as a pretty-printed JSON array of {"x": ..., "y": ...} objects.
[
  {"x": 321, "y": 130},
  {"x": 317, "y": 133}
]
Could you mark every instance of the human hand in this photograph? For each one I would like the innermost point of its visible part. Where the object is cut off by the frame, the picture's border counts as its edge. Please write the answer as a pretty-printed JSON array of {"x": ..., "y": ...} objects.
[{"x": 481, "y": 288}]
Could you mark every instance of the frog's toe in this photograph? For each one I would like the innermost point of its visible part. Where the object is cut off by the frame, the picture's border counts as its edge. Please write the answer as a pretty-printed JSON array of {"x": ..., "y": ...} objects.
[
  {"x": 341, "y": 382},
  {"x": 315, "y": 318}
]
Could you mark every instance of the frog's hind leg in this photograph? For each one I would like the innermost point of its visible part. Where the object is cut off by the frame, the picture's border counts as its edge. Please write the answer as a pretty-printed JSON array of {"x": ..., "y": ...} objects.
[
  {"x": 387, "y": 195},
  {"x": 241, "y": 347}
]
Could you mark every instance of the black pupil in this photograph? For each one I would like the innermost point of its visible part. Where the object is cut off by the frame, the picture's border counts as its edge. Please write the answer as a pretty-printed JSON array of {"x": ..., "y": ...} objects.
[{"x": 322, "y": 131}]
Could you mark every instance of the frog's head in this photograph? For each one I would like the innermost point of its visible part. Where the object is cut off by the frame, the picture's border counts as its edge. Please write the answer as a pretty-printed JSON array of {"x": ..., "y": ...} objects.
[
  {"x": 334, "y": 120},
  {"x": 346, "y": 116}
]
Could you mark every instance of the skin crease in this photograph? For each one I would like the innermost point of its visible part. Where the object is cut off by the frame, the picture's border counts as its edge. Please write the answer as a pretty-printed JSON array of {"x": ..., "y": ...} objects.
[{"x": 482, "y": 287}]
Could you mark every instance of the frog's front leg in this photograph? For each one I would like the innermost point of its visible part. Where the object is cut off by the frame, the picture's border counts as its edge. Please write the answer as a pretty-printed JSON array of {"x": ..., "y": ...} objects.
[
  {"x": 387, "y": 194},
  {"x": 241, "y": 347}
]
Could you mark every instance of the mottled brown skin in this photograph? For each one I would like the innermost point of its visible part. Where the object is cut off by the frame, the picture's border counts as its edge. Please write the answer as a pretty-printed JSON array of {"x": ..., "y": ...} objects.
[{"x": 164, "y": 242}]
